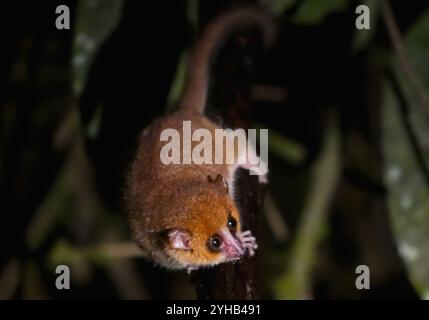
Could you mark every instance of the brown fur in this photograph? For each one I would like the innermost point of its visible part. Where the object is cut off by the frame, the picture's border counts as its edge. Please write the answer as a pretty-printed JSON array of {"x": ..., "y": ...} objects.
[
  {"x": 180, "y": 196},
  {"x": 164, "y": 197}
]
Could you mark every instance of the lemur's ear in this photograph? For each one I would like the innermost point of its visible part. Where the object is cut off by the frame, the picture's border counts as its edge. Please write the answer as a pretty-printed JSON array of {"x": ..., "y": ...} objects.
[
  {"x": 219, "y": 180},
  {"x": 179, "y": 239}
]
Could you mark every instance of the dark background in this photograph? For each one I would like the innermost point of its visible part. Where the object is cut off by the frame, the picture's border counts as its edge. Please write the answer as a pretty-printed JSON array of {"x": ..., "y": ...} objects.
[{"x": 73, "y": 181}]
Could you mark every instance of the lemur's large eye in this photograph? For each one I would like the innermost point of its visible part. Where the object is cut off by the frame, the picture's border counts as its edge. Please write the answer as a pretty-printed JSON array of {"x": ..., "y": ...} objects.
[
  {"x": 232, "y": 224},
  {"x": 215, "y": 242}
]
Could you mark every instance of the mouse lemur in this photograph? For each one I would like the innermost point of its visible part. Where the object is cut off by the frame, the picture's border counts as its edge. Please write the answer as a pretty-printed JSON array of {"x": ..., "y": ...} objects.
[{"x": 183, "y": 215}]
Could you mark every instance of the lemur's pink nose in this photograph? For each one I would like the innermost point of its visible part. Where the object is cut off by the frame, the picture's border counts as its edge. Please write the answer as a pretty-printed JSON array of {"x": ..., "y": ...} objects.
[{"x": 232, "y": 247}]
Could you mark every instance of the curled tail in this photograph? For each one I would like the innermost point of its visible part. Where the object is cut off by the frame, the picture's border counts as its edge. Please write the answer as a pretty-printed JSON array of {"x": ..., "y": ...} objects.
[{"x": 197, "y": 74}]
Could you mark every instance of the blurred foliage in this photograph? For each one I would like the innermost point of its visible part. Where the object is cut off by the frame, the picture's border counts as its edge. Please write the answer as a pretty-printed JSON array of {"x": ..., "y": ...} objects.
[
  {"x": 313, "y": 12},
  {"x": 93, "y": 236},
  {"x": 178, "y": 82},
  {"x": 408, "y": 189},
  {"x": 95, "y": 21},
  {"x": 285, "y": 148},
  {"x": 310, "y": 12},
  {"x": 278, "y": 7},
  {"x": 295, "y": 281}
]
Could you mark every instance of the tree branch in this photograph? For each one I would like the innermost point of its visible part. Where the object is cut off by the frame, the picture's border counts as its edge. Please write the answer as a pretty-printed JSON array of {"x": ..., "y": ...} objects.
[{"x": 231, "y": 97}]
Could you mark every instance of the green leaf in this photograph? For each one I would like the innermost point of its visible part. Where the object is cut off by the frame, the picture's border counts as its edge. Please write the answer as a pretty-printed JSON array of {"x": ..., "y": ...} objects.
[
  {"x": 313, "y": 12},
  {"x": 295, "y": 281},
  {"x": 95, "y": 20},
  {"x": 408, "y": 196}
]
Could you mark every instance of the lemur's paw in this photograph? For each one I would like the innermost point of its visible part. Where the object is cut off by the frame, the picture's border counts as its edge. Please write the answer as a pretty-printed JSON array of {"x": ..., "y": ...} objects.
[{"x": 248, "y": 242}]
